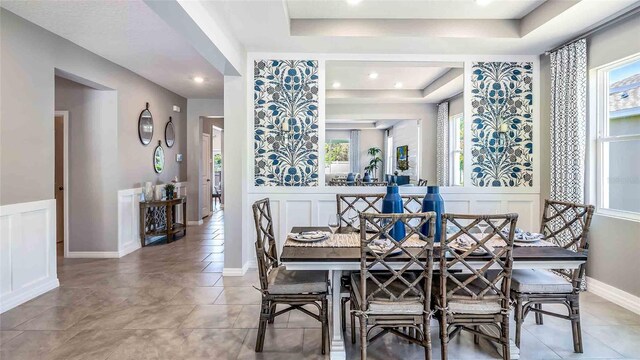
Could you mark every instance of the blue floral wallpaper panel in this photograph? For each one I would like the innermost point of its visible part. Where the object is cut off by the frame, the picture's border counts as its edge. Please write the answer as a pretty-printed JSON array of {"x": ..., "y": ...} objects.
[
  {"x": 502, "y": 93},
  {"x": 286, "y": 122}
]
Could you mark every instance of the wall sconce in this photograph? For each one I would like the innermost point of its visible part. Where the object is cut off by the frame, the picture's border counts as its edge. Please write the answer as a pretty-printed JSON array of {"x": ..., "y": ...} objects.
[{"x": 503, "y": 128}]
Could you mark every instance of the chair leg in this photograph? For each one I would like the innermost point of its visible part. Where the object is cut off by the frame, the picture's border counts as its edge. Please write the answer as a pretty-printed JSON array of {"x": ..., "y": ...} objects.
[
  {"x": 363, "y": 337},
  {"x": 444, "y": 337},
  {"x": 272, "y": 310},
  {"x": 343, "y": 314},
  {"x": 325, "y": 325},
  {"x": 575, "y": 326},
  {"x": 538, "y": 315},
  {"x": 476, "y": 338},
  {"x": 353, "y": 324},
  {"x": 506, "y": 347},
  {"x": 426, "y": 337},
  {"x": 265, "y": 314},
  {"x": 518, "y": 318}
]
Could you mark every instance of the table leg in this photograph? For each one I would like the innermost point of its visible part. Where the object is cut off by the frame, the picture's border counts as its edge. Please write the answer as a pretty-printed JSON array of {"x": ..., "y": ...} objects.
[
  {"x": 169, "y": 210},
  {"x": 337, "y": 351},
  {"x": 491, "y": 330}
]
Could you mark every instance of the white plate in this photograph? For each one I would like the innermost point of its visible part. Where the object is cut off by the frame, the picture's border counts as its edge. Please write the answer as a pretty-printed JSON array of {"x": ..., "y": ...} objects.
[
  {"x": 310, "y": 236},
  {"x": 524, "y": 240},
  {"x": 381, "y": 251}
]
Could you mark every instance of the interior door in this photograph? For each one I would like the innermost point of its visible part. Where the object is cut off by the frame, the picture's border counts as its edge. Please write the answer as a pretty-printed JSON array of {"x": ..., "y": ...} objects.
[
  {"x": 205, "y": 183},
  {"x": 59, "y": 177}
]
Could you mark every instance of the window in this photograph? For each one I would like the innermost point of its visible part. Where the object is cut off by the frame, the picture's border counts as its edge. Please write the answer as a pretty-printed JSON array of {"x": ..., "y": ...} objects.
[
  {"x": 456, "y": 149},
  {"x": 618, "y": 139},
  {"x": 336, "y": 156}
]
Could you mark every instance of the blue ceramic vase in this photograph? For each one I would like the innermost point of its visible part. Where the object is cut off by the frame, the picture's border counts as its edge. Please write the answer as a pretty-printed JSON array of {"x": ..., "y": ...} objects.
[
  {"x": 392, "y": 204},
  {"x": 351, "y": 179},
  {"x": 433, "y": 202},
  {"x": 366, "y": 178}
]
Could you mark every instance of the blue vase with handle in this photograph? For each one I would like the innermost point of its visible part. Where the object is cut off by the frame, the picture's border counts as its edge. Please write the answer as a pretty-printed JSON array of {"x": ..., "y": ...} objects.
[
  {"x": 392, "y": 204},
  {"x": 433, "y": 201}
]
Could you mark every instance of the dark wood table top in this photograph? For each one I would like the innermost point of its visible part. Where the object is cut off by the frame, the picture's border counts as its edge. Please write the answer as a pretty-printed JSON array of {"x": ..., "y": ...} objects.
[{"x": 291, "y": 254}]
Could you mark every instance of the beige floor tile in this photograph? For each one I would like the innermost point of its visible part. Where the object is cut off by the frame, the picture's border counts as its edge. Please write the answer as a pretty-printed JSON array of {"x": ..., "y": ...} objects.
[
  {"x": 624, "y": 339},
  {"x": 278, "y": 344},
  {"x": 35, "y": 344},
  {"x": 212, "y": 317},
  {"x": 62, "y": 297},
  {"x": 57, "y": 318},
  {"x": 219, "y": 344},
  {"x": 19, "y": 315},
  {"x": 109, "y": 318},
  {"x": 6, "y": 335},
  {"x": 160, "y": 317},
  {"x": 91, "y": 344},
  {"x": 298, "y": 319},
  {"x": 249, "y": 279},
  {"x": 152, "y": 295},
  {"x": 162, "y": 344},
  {"x": 196, "y": 296},
  {"x": 250, "y": 317},
  {"x": 215, "y": 267},
  {"x": 239, "y": 296}
]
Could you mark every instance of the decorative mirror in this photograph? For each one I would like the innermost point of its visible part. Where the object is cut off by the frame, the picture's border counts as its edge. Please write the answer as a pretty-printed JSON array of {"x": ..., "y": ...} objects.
[
  {"x": 158, "y": 158},
  {"x": 169, "y": 133},
  {"x": 145, "y": 126}
]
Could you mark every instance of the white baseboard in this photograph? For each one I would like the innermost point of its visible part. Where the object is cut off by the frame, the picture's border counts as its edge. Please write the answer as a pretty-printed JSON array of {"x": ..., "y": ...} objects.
[
  {"x": 93, "y": 254},
  {"x": 131, "y": 247},
  {"x": 613, "y": 294},
  {"x": 240, "y": 271},
  {"x": 20, "y": 297},
  {"x": 195, "y": 223}
]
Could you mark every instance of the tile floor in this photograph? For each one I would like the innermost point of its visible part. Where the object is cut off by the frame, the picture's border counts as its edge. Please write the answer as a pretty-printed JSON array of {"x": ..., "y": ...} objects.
[{"x": 171, "y": 302}]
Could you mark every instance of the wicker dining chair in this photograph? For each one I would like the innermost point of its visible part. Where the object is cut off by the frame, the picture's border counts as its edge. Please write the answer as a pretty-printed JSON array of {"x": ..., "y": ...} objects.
[
  {"x": 566, "y": 225},
  {"x": 392, "y": 291},
  {"x": 348, "y": 209},
  {"x": 281, "y": 286},
  {"x": 480, "y": 294}
]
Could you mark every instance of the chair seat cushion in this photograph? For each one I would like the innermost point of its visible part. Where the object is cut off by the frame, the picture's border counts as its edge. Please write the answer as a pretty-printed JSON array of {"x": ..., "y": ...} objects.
[
  {"x": 283, "y": 281},
  {"x": 381, "y": 304},
  {"x": 539, "y": 282},
  {"x": 491, "y": 304}
]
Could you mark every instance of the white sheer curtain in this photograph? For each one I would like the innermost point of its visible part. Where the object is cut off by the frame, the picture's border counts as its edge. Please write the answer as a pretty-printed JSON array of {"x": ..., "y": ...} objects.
[
  {"x": 442, "y": 145},
  {"x": 354, "y": 152},
  {"x": 568, "y": 122}
]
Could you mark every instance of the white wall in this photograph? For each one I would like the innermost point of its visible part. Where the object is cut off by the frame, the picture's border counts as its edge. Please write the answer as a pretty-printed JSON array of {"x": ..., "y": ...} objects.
[
  {"x": 407, "y": 132},
  {"x": 425, "y": 113},
  {"x": 197, "y": 108}
]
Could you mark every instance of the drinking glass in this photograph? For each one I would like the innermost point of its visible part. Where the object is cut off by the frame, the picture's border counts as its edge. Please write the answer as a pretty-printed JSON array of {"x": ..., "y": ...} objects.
[{"x": 334, "y": 222}]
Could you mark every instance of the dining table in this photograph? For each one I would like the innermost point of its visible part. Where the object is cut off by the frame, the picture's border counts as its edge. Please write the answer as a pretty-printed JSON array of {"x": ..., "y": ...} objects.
[{"x": 338, "y": 259}]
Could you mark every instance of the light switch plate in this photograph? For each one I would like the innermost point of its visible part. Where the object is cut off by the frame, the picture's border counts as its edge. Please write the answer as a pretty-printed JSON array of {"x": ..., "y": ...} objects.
[{"x": 179, "y": 157}]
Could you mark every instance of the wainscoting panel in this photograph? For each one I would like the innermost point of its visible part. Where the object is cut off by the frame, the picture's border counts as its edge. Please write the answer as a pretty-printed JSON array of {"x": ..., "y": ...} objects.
[
  {"x": 129, "y": 216},
  {"x": 27, "y": 252},
  {"x": 314, "y": 208}
]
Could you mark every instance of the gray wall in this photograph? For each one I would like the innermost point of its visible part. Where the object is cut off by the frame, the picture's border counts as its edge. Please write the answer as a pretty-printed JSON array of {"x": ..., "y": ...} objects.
[
  {"x": 196, "y": 109},
  {"x": 30, "y": 56},
  {"x": 614, "y": 242}
]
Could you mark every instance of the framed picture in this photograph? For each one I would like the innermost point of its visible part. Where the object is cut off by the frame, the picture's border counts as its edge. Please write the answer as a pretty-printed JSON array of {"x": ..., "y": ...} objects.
[{"x": 402, "y": 157}]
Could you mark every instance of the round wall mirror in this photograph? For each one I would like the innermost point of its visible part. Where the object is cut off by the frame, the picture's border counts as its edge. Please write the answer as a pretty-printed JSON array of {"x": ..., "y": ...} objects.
[
  {"x": 145, "y": 126},
  {"x": 169, "y": 133},
  {"x": 158, "y": 158}
]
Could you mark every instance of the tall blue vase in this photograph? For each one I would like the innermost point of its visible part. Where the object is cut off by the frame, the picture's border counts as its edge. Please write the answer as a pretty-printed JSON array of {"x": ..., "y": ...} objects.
[
  {"x": 392, "y": 204},
  {"x": 433, "y": 202},
  {"x": 366, "y": 178}
]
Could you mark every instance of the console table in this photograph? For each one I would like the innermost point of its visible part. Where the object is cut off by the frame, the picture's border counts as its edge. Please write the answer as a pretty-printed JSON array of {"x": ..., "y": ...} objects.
[{"x": 158, "y": 218}]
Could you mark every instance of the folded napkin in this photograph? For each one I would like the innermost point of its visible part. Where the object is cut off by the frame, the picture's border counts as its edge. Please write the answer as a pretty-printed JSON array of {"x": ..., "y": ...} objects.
[
  {"x": 309, "y": 234},
  {"x": 520, "y": 234}
]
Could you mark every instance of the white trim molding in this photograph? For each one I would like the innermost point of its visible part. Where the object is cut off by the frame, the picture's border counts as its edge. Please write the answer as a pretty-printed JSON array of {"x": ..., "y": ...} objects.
[
  {"x": 27, "y": 251},
  {"x": 93, "y": 254},
  {"x": 195, "y": 222},
  {"x": 613, "y": 294}
]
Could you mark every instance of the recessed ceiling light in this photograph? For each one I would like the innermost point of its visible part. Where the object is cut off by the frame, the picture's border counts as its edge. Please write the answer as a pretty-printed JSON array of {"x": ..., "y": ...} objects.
[
  {"x": 354, "y": 2},
  {"x": 397, "y": 85},
  {"x": 483, "y": 2},
  {"x": 373, "y": 75},
  {"x": 198, "y": 79},
  {"x": 336, "y": 84}
]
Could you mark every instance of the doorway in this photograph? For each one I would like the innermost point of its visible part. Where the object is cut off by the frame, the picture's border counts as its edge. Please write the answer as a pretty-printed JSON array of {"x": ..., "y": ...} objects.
[
  {"x": 61, "y": 126},
  {"x": 205, "y": 182}
]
